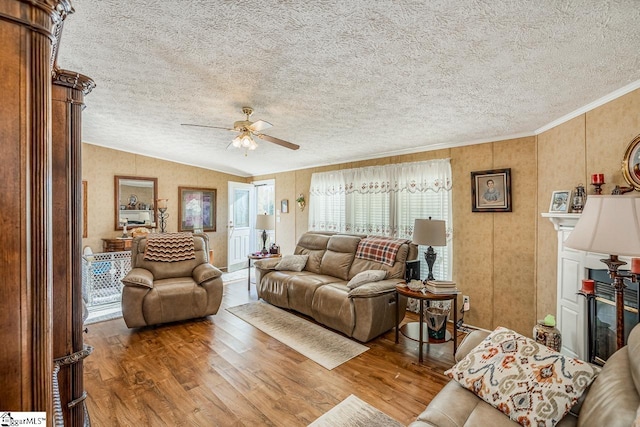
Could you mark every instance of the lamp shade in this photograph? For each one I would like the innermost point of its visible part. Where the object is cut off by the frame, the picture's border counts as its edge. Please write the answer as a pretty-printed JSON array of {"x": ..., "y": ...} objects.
[
  {"x": 265, "y": 222},
  {"x": 429, "y": 232},
  {"x": 608, "y": 225}
]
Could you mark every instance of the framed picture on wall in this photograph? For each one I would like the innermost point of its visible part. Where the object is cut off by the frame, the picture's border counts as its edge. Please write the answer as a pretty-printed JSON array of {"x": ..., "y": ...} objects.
[
  {"x": 560, "y": 201},
  {"x": 284, "y": 206},
  {"x": 491, "y": 190},
  {"x": 197, "y": 209}
]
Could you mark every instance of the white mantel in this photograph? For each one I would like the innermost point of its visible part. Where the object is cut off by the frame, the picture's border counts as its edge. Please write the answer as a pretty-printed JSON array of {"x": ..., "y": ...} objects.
[{"x": 573, "y": 266}]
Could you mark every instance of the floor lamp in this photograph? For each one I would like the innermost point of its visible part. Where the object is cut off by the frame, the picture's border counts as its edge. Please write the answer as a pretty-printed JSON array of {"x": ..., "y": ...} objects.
[
  {"x": 265, "y": 222},
  {"x": 430, "y": 232},
  {"x": 611, "y": 225}
]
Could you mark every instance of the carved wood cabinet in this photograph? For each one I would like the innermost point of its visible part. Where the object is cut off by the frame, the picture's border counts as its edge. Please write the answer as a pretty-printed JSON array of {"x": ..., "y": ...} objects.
[
  {"x": 41, "y": 235},
  {"x": 68, "y": 92}
]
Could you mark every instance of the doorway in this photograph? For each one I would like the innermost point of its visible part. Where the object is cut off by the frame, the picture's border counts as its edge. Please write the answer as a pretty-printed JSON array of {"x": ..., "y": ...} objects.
[{"x": 245, "y": 202}]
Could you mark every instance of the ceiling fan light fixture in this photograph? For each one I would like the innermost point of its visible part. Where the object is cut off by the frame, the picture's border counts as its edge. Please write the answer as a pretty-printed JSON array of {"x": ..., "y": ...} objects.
[
  {"x": 246, "y": 140},
  {"x": 237, "y": 142},
  {"x": 253, "y": 145}
]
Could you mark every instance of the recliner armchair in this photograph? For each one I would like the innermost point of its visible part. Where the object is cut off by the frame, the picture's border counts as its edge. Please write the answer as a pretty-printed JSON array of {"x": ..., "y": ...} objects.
[{"x": 157, "y": 292}]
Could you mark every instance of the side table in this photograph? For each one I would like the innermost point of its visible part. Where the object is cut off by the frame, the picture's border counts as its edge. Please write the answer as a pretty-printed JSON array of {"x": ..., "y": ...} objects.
[
  {"x": 402, "y": 289},
  {"x": 255, "y": 257}
]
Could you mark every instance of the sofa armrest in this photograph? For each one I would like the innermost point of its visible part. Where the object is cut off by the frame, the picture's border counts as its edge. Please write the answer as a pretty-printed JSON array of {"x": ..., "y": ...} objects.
[
  {"x": 469, "y": 343},
  {"x": 205, "y": 272},
  {"x": 374, "y": 289},
  {"x": 267, "y": 264},
  {"x": 138, "y": 277}
]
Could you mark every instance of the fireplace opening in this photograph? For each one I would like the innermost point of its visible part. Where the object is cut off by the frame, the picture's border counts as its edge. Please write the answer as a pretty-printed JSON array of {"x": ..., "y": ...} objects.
[{"x": 602, "y": 339}]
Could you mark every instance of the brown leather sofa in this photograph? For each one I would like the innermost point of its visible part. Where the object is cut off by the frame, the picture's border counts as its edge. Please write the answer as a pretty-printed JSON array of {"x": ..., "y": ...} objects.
[
  {"x": 612, "y": 400},
  {"x": 159, "y": 292},
  {"x": 320, "y": 289}
]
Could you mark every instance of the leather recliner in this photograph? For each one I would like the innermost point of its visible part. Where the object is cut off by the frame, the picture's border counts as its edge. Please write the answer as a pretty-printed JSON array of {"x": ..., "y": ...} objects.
[{"x": 157, "y": 292}]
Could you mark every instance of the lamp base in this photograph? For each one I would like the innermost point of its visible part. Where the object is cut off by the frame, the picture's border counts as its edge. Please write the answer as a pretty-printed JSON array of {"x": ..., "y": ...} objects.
[
  {"x": 618, "y": 287},
  {"x": 264, "y": 250},
  {"x": 430, "y": 256}
]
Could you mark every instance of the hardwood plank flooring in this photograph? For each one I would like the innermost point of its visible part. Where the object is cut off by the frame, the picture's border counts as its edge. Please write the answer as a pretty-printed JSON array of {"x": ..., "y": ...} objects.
[{"x": 221, "y": 371}]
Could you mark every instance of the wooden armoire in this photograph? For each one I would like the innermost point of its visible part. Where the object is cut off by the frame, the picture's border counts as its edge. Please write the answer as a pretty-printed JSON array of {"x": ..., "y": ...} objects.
[{"x": 41, "y": 341}]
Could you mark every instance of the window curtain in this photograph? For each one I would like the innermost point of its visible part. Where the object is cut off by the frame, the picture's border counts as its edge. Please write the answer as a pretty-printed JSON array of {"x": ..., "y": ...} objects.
[{"x": 385, "y": 201}]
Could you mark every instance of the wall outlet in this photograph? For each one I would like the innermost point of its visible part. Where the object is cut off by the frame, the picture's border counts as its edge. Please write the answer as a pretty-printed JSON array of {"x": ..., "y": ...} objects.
[{"x": 465, "y": 303}]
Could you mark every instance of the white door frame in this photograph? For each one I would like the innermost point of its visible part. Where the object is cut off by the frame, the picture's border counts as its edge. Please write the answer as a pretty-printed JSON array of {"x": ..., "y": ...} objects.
[{"x": 240, "y": 226}]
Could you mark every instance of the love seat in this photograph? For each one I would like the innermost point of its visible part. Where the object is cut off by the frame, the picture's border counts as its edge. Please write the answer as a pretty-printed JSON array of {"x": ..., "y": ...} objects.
[
  {"x": 320, "y": 289},
  {"x": 170, "y": 286},
  {"x": 612, "y": 400}
]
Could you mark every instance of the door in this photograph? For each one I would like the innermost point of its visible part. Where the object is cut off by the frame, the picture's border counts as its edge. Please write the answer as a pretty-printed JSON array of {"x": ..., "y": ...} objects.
[{"x": 241, "y": 210}]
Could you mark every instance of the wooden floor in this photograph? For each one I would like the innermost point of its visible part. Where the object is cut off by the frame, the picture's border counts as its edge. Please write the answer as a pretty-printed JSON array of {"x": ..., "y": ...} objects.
[{"x": 221, "y": 371}]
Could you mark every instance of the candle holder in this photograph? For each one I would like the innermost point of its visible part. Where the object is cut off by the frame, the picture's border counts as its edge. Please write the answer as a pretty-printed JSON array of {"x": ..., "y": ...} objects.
[
  {"x": 597, "y": 187},
  {"x": 162, "y": 219},
  {"x": 597, "y": 180}
]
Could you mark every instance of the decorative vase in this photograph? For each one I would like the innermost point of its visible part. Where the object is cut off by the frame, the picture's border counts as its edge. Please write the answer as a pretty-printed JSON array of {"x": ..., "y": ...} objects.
[{"x": 547, "y": 335}]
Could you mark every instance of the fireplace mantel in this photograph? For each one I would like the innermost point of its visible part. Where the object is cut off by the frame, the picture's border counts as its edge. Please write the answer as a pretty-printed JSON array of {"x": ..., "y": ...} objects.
[{"x": 559, "y": 220}]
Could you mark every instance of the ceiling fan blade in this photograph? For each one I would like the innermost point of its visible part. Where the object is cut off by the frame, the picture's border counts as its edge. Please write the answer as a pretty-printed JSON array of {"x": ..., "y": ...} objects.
[
  {"x": 278, "y": 141},
  {"x": 259, "y": 125},
  {"x": 205, "y": 126}
]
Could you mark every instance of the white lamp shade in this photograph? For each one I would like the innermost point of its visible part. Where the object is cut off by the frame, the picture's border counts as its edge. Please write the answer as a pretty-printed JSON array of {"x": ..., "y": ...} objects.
[
  {"x": 265, "y": 222},
  {"x": 429, "y": 232},
  {"x": 608, "y": 225}
]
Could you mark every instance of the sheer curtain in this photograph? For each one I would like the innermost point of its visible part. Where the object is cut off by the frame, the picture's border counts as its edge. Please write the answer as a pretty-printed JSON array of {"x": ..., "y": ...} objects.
[{"x": 385, "y": 201}]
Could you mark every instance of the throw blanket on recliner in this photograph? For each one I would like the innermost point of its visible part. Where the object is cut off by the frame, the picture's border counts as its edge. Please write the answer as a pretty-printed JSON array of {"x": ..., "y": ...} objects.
[
  {"x": 379, "y": 249},
  {"x": 170, "y": 247}
]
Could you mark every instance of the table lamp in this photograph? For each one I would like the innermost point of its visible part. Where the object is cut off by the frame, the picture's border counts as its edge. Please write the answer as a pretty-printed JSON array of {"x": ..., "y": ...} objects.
[
  {"x": 430, "y": 232},
  {"x": 610, "y": 224},
  {"x": 265, "y": 222}
]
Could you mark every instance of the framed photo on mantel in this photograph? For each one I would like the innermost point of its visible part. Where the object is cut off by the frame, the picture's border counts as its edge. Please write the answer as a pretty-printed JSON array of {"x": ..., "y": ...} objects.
[{"x": 491, "y": 190}]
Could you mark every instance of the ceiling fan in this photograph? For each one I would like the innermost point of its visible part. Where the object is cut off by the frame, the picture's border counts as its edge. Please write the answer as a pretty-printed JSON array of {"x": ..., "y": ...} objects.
[{"x": 246, "y": 129}]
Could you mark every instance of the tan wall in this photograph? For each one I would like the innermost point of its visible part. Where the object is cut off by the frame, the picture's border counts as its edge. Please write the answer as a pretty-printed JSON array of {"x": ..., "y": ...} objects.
[
  {"x": 506, "y": 262},
  {"x": 568, "y": 154},
  {"x": 100, "y": 165}
]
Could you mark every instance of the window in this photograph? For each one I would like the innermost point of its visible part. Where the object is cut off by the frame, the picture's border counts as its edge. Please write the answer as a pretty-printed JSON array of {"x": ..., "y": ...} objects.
[{"x": 385, "y": 201}]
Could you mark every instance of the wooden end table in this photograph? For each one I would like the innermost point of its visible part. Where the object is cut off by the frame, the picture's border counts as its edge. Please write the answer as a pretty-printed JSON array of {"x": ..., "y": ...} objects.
[
  {"x": 402, "y": 289},
  {"x": 256, "y": 257}
]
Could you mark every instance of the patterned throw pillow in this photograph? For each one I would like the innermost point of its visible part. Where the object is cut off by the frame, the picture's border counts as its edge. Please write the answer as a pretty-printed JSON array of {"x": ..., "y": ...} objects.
[
  {"x": 292, "y": 263},
  {"x": 530, "y": 383}
]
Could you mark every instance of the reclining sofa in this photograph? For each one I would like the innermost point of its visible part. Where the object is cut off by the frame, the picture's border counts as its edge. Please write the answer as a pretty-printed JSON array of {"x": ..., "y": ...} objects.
[
  {"x": 612, "y": 400},
  {"x": 320, "y": 290}
]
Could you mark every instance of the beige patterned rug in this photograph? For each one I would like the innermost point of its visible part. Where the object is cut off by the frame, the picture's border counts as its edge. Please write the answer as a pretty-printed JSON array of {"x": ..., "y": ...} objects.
[
  {"x": 326, "y": 348},
  {"x": 353, "y": 412}
]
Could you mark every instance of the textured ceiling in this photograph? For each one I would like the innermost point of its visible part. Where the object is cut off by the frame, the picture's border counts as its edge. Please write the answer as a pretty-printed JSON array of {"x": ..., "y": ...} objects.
[{"x": 346, "y": 80}]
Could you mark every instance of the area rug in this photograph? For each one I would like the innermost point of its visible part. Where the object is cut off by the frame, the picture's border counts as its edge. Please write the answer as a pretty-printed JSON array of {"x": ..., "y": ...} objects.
[
  {"x": 353, "y": 412},
  {"x": 324, "y": 347}
]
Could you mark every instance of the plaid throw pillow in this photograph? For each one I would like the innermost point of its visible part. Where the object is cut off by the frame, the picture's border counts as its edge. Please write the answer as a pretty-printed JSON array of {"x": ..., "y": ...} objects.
[
  {"x": 379, "y": 249},
  {"x": 530, "y": 383}
]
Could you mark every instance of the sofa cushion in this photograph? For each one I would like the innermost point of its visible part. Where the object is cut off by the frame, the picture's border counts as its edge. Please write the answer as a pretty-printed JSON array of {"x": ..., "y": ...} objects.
[
  {"x": 366, "y": 277},
  {"x": 292, "y": 263},
  {"x": 314, "y": 245},
  {"x": 613, "y": 399},
  {"x": 528, "y": 382},
  {"x": 340, "y": 252}
]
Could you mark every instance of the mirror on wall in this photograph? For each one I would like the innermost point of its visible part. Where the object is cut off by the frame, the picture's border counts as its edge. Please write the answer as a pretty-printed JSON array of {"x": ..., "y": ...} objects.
[{"x": 135, "y": 201}]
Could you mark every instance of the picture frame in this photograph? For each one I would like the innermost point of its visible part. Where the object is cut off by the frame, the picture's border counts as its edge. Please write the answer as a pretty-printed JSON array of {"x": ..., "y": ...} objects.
[
  {"x": 196, "y": 209},
  {"x": 631, "y": 164},
  {"x": 284, "y": 206},
  {"x": 491, "y": 190},
  {"x": 560, "y": 201}
]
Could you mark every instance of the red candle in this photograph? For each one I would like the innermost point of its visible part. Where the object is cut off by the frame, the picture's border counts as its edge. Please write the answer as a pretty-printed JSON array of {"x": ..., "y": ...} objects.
[
  {"x": 597, "y": 178},
  {"x": 588, "y": 286},
  {"x": 635, "y": 265}
]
